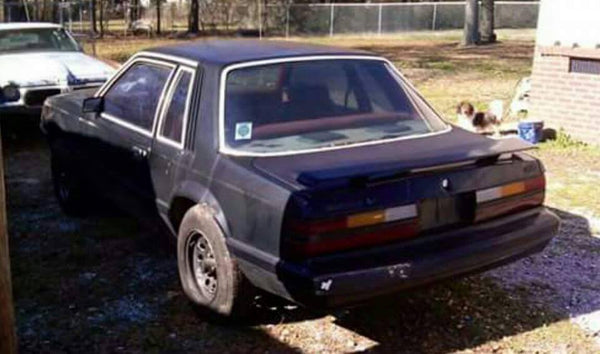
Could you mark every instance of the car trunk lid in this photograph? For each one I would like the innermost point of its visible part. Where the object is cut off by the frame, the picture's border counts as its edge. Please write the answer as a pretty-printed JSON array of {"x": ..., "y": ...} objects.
[
  {"x": 360, "y": 197},
  {"x": 374, "y": 162}
]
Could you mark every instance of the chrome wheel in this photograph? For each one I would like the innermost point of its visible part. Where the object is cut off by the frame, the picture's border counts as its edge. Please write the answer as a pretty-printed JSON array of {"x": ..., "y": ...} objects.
[{"x": 203, "y": 265}]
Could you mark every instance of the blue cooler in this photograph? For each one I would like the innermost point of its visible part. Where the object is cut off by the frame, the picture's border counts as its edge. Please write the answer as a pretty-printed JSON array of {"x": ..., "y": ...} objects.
[{"x": 531, "y": 131}]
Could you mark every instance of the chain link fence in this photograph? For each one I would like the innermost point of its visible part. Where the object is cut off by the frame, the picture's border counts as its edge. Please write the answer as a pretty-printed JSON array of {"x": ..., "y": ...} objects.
[{"x": 272, "y": 20}]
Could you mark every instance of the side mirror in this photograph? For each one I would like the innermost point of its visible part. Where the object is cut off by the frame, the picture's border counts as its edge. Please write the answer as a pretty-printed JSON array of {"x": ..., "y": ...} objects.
[{"x": 93, "y": 105}]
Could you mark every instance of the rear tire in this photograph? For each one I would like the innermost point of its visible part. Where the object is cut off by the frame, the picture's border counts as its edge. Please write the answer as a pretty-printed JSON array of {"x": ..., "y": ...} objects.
[
  {"x": 68, "y": 188},
  {"x": 210, "y": 277}
]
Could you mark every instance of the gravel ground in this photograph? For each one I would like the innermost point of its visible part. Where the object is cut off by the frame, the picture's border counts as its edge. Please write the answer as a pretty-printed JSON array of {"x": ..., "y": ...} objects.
[
  {"x": 566, "y": 277},
  {"x": 104, "y": 284}
]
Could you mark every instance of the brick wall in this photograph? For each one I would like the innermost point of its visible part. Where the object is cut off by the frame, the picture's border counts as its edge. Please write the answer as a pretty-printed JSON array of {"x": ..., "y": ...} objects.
[{"x": 564, "y": 99}]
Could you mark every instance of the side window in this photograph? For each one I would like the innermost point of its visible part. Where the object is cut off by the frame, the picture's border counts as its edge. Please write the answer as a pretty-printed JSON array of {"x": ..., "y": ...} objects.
[
  {"x": 176, "y": 113},
  {"x": 135, "y": 95},
  {"x": 175, "y": 116}
]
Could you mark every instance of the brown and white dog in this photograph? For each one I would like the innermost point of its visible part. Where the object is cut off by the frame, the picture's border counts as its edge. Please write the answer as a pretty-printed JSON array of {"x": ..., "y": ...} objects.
[{"x": 480, "y": 122}]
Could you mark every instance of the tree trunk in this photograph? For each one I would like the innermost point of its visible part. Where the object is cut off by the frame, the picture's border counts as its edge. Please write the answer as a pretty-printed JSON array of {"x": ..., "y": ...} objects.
[
  {"x": 134, "y": 11},
  {"x": 101, "y": 18},
  {"x": 487, "y": 21},
  {"x": 93, "y": 16},
  {"x": 193, "y": 23},
  {"x": 8, "y": 339},
  {"x": 471, "y": 32},
  {"x": 157, "y": 16}
]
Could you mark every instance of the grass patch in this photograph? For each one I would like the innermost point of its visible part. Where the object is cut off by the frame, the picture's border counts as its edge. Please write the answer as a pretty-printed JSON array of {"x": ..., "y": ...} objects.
[
  {"x": 565, "y": 142},
  {"x": 573, "y": 172}
]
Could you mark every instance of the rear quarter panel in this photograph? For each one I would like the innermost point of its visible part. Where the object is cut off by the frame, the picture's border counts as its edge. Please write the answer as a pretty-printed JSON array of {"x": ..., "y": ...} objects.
[{"x": 249, "y": 205}]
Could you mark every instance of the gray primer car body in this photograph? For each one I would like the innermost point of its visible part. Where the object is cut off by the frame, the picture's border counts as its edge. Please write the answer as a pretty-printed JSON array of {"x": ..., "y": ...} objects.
[{"x": 249, "y": 195}]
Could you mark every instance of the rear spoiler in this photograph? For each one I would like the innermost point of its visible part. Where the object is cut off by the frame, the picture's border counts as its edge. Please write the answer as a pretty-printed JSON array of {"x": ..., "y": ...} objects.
[{"x": 416, "y": 162}]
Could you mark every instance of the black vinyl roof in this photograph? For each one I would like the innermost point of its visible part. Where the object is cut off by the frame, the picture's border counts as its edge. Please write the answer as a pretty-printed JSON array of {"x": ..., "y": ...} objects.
[{"x": 241, "y": 50}]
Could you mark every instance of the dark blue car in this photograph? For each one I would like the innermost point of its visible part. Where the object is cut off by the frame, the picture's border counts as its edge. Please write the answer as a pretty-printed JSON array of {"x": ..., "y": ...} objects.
[{"x": 314, "y": 173}]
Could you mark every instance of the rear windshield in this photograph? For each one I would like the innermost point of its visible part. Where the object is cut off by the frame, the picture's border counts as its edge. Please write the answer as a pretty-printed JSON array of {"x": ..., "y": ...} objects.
[{"x": 307, "y": 105}]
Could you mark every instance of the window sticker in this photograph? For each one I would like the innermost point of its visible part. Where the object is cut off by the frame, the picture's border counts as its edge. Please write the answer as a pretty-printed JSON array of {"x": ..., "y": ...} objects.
[{"x": 243, "y": 131}]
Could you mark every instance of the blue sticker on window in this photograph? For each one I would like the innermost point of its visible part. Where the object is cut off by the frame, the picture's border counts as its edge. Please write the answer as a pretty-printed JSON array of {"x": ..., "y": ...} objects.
[{"x": 243, "y": 131}]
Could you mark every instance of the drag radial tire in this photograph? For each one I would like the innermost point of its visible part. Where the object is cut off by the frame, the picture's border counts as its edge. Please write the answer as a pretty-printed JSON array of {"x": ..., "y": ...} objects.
[
  {"x": 68, "y": 188},
  {"x": 209, "y": 275}
]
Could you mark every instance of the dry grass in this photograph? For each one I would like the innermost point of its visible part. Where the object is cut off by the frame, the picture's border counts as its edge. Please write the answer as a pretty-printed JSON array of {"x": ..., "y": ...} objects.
[{"x": 573, "y": 173}]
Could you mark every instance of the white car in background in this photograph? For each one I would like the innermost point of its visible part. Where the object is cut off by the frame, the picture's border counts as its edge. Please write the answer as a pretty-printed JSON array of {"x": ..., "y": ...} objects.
[{"x": 38, "y": 60}]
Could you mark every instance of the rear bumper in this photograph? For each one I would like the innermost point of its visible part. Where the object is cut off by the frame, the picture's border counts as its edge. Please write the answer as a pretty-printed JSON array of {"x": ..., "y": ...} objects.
[{"x": 357, "y": 276}]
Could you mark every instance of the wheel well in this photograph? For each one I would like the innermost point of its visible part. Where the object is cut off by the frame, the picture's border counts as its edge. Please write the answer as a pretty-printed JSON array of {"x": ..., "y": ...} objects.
[{"x": 178, "y": 209}]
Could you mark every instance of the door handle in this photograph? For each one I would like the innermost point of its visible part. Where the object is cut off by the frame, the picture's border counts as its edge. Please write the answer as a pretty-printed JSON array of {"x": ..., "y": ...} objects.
[{"x": 139, "y": 152}]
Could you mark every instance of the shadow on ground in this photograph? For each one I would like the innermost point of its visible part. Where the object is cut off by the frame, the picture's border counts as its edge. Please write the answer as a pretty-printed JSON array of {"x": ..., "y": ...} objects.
[{"x": 104, "y": 284}]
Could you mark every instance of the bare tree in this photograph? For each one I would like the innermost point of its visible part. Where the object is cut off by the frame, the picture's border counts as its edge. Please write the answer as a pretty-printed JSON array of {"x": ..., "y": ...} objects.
[
  {"x": 471, "y": 31},
  {"x": 102, "y": 18},
  {"x": 193, "y": 25},
  {"x": 134, "y": 10},
  {"x": 93, "y": 16},
  {"x": 487, "y": 21},
  {"x": 158, "y": 16}
]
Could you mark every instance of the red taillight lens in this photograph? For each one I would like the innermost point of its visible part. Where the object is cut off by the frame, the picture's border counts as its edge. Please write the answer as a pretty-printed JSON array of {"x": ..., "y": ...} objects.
[
  {"x": 323, "y": 244},
  {"x": 510, "y": 198},
  {"x": 315, "y": 227},
  {"x": 308, "y": 238}
]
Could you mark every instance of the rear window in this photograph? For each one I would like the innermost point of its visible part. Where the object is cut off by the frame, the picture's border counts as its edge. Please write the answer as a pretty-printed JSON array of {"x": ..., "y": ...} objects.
[{"x": 318, "y": 104}]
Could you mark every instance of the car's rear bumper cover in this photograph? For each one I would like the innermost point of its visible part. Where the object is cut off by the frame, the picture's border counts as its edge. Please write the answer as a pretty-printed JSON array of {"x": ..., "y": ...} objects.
[{"x": 359, "y": 275}]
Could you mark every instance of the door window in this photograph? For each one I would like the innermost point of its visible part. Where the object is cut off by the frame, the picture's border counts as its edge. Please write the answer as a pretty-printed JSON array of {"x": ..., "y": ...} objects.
[
  {"x": 175, "y": 117},
  {"x": 135, "y": 95}
]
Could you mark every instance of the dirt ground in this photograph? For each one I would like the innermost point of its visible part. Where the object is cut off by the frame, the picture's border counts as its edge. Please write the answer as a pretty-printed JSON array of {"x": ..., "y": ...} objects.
[{"x": 105, "y": 284}]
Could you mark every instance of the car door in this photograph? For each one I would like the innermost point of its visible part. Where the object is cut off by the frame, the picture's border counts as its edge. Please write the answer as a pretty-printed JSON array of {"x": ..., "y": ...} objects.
[
  {"x": 170, "y": 150},
  {"x": 131, "y": 105}
]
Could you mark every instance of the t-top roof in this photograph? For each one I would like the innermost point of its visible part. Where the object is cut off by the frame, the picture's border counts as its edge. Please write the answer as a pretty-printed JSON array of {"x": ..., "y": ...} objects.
[
  {"x": 242, "y": 50},
  {"x": 27, "y": 25}
]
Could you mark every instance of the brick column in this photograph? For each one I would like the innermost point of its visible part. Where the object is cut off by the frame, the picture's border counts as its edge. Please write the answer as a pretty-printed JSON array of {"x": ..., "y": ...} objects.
[{"x": 566, "y": 99}]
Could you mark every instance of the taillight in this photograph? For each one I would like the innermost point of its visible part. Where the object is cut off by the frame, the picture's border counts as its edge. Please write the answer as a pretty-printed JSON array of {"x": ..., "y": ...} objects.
[
  {"x": 509, "y": 198},
  {"x": 307, "y": 238}
]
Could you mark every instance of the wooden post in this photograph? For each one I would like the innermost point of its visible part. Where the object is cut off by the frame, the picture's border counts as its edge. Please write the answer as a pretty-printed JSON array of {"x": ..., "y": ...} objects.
[{"x": 8, "y": 339}]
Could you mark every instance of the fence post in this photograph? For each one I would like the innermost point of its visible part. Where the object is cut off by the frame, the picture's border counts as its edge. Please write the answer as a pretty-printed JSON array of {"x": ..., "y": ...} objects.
[
  {"x": 259, "y": 19},
  {"x": 331, "y": 10},
  {"x": 172, "y": 17},
  {"x": 434, "y": 16},
  {"x": 379, "y": 20},
  {"x": 70, "y": 17},
  {"x": 81, "y": 17},
  {"x": 26, "y": 11},
  {"x": 287, "y": 20}
]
